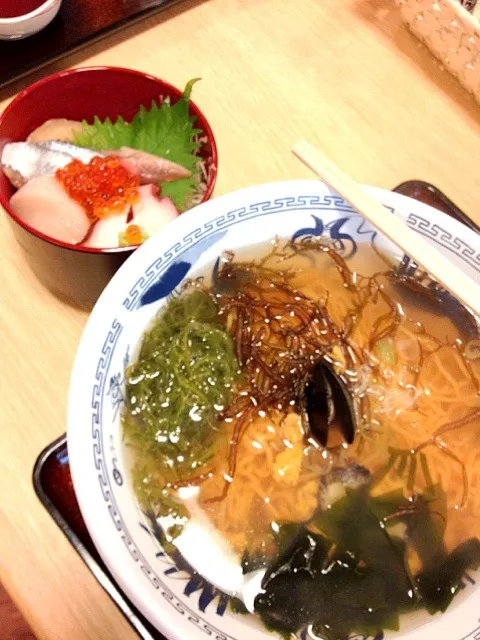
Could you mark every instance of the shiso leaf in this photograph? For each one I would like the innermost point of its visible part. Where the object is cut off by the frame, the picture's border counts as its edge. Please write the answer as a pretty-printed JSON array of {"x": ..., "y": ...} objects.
[
  {"x": 104, "y": 134},
  {"x": 164, "y": 130}
]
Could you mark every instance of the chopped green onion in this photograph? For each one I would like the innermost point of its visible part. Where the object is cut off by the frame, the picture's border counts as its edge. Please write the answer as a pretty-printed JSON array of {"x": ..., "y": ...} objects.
[{"x": 386, "y": 352}]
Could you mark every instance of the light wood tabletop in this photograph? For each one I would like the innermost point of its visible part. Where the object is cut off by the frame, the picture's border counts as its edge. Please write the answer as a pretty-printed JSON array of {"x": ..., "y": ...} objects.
[{"x": 347, "y": 75}]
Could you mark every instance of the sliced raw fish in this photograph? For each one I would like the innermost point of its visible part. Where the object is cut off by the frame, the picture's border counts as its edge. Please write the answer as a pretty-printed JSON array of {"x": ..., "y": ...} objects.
[
  {"x": 56, "y": 129},
  {"x": 150, "y": 214},
  {"x": 23, "y": 161},
  {"x": 153, "y": 213},
  {"x": 151, "y": 168},
  {"x": 105, "y": 233},
  {"x": 44, "y": 204}
]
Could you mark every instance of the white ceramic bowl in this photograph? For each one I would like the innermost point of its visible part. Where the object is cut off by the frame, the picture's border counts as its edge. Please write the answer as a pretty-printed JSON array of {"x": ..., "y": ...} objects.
[
  {"x": 179, "y": 607},
  {"x": 29, "y": 23}
]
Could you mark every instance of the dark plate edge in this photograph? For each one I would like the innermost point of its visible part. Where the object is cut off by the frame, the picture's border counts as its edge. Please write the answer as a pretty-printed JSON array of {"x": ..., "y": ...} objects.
[
  {"x": 97, "y": 37},
  {"x": 105, "y": 582},
  {"x": 455, "y": 212}
]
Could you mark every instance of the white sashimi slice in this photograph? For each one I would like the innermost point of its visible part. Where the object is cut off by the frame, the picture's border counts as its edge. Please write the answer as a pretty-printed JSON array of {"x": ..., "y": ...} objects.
[
  {"x": 44, "y": 204},
  {"x": 105, "y": 233},
  {"x": 151, "y": 214},
  {"x": 56, "y": 129}
]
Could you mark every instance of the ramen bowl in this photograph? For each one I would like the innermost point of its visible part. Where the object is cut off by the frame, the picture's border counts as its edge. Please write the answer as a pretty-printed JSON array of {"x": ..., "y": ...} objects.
[
  {"x": 176, "y": 601},
  {"x": 27, "y": 24},
  {"x": 79, "y": 273}
]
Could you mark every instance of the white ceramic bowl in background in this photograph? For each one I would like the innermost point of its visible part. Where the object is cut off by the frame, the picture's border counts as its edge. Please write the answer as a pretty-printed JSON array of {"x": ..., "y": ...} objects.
[
  {"x": 180, "y": 607},
  {"x": 29, "y": 23}
]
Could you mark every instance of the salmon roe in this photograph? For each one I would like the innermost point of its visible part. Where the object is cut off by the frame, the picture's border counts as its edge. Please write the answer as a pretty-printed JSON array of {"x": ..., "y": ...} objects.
[
  {"x": 103, "y": 186},
  {"x": 133, "y": 234}
]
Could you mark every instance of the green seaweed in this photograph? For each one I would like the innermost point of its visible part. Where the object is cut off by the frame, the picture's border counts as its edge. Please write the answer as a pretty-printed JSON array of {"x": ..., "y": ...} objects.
[
  {"x": 182, "y": 379},
  {"x": 348, "y": 573},
  {"x": 439, "y": 585},
  {"x": 237, "y": 606},
  {"x": 405, "y": 464}
]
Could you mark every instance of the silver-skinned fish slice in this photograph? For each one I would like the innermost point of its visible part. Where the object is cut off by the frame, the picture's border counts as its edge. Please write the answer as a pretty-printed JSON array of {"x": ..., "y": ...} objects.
[
  {"x": 23, "y": 161},
  {"x": 150, "y": 168}
]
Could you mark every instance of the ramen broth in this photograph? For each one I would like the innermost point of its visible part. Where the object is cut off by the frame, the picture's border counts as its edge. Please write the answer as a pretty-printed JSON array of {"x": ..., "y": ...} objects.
[{"x": 407, "y": 485}]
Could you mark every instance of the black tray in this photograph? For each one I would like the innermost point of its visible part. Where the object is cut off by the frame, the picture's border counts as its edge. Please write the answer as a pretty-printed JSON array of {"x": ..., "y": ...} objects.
[
  {"x": 78, "y": 23},
  {"x": 53, "y": 483}
]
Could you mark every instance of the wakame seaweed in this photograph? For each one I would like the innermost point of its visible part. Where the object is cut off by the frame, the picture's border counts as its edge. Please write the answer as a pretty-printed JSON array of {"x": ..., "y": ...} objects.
[
  {"x": 175, "y": 391},
  {"x": 347, "y": 571},
  {"x": 439, "y": 585}
]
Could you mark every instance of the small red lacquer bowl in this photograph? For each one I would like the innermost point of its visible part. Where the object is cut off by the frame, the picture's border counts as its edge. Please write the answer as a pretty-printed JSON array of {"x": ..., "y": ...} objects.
[{"x": 79, "y": 274}]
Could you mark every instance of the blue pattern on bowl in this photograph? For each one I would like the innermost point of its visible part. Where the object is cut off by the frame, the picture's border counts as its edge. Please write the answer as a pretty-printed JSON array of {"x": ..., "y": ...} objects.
[{"x": 177, "y": 271}]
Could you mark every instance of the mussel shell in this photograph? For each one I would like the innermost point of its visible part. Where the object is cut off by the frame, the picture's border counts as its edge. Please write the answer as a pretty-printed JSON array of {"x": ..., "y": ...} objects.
[
  {"x": 326, "y": 398},
  {"x": 318, "y": 397},
  {"x": 343, "y": 404}
]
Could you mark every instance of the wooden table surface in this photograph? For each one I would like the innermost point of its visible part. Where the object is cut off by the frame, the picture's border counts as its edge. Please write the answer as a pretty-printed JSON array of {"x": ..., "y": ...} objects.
[{"x": 347, "y": 75}]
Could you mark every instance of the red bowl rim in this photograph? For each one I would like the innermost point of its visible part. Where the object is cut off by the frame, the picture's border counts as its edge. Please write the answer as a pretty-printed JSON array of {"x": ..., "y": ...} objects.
[
  {"x": 35, "y": 13},
  {"x": 82, "y": 249}
]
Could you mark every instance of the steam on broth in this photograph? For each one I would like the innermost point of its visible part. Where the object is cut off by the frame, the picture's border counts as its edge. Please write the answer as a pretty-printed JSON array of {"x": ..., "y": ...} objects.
[{"x": 349, "y": 536}]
